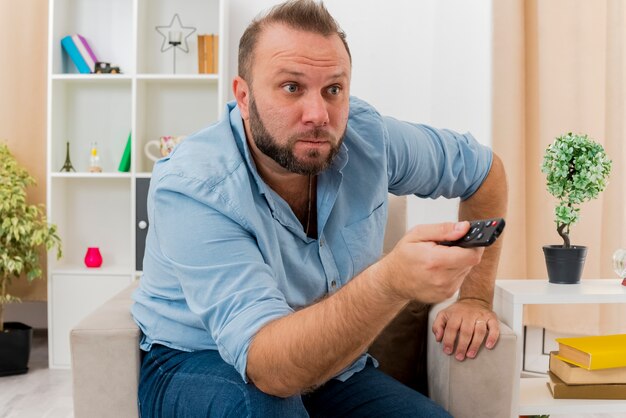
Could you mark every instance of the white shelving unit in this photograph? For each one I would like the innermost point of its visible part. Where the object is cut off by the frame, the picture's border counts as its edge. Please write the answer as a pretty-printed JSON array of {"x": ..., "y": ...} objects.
[
  {"x": 531, "y": 395},
  {"x": 146, "y": 100}
]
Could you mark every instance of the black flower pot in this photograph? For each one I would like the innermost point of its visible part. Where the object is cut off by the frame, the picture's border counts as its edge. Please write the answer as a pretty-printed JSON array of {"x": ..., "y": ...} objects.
[
  {"x": 15, "y": 344},
  {"x": 565, "y": 265}
]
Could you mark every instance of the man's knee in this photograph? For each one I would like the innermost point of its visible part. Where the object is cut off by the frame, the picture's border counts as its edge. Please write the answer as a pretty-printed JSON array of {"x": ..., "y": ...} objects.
[
  {"x": 232, "y": 398},
  {"x": 199, "y": 384}
]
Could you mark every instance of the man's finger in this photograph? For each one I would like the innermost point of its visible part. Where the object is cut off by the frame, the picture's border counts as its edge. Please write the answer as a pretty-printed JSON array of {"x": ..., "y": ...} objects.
[
  {"x": 447, "y": 231},
  {"x": 464, "y": 338},
  {"x": 494, "y": 333},
  {"x": 480, "y": 331},
  {"x": 439, "y": 325},
  {"x": 450, "y": 334}
]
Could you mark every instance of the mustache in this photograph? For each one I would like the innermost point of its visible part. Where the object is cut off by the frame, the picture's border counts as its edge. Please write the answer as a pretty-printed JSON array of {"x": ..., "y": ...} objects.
[{"x": 316, "y": 133}]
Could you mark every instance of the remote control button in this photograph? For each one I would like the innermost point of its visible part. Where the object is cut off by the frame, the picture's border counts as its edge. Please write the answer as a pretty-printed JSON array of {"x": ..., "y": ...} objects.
[
  {"x": 478, "y": 224},
  {"x": 479, "y": 236}
]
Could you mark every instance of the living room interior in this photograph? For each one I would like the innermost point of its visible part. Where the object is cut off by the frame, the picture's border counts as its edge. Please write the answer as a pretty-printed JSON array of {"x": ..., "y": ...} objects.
[{"x": 516, "y": 74}]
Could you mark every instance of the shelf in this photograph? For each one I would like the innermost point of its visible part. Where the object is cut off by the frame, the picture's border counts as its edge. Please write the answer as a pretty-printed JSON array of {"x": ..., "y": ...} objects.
[
  {"x": 92, "y": 78},
  {"x": 203, "y": 15},
  {"x": 535, "y": 399},
  {"x": 106, "y": 24},
  {"x": 531, "y": 395},
  {"x": 90, "y": 176},
  {"x": 81, "y": 270},
  {"x": 92, "y": 211},
  {"x": 530, "y": 292},
  {"x": 84, "y": 111},
  {"x": 176, "y": 107},
  {"x": 107, "y": 78},
  {"x": 179, "y": 77}
]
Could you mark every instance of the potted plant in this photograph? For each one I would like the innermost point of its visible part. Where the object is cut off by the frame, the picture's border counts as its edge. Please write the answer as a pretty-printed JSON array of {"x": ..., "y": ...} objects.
[
  {"x": 24, "y": 232},
  {"x": 577, "y": 170}
]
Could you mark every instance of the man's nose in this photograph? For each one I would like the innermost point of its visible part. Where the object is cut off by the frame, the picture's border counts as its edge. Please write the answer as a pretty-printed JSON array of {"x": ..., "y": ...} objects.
[{"x": 314, "y": 110}]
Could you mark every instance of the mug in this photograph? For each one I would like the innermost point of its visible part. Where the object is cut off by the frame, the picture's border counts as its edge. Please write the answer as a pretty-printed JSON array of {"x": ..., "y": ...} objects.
[{"x": 156, "y": 150}]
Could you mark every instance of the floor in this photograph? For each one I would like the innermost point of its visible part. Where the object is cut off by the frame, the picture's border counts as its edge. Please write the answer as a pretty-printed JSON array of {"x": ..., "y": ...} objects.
[
  {"x": 40, "y": 393},
  {"x": 45, "y": 393}
]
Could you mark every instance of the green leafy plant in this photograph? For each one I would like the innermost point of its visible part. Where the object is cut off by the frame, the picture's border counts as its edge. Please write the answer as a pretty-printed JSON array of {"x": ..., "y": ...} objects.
[
  {"x": 24, "y": 230},
  {"x": 577, "y": 170}
]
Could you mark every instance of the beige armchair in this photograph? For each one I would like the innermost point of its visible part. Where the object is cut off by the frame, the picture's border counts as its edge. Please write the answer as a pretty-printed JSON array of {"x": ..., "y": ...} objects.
[{"x": 105, "y": 357}]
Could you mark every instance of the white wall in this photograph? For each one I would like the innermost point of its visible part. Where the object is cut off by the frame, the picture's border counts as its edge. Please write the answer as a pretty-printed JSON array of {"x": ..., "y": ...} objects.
[{"x": 426, "y": 61}]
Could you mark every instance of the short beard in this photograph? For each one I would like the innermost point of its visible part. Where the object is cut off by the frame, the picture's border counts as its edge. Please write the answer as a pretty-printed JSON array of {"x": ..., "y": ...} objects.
[{"x": 284, "y": 155}]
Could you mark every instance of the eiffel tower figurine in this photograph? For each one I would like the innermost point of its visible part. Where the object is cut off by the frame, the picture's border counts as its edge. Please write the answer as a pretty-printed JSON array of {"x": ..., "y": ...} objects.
[{"x": 67, "y": 166}]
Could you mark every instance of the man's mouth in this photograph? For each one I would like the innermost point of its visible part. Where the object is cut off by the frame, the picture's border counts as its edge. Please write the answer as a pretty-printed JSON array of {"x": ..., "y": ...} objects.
[
  {"x": 316, "y": 136},
  {"x": 314, "y": 140}
]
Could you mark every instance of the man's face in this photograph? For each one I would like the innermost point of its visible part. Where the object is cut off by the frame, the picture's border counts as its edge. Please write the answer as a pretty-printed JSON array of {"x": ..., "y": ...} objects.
[{"x": 298, "y": 103}]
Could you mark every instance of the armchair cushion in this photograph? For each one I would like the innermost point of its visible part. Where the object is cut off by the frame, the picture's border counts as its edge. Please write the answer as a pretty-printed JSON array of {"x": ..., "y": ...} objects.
[
  {"x": 105, "y": 360},
  {"x": 481, "y": 387}
]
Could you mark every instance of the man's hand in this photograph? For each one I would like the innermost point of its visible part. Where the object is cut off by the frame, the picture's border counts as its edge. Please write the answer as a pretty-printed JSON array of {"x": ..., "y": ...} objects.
[
  {"x": 419, "y": 269},
  {"x": 469, "y": 322}
]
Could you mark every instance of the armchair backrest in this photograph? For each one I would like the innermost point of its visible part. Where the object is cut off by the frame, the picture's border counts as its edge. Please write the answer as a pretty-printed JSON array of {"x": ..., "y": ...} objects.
[{"x": 396, "y": 221}]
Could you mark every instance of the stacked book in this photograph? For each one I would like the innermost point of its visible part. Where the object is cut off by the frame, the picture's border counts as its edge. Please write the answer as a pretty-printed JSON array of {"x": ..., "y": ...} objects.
[
  {"x": 591, "y": 367},
  {"x": 81, "y": 54}
]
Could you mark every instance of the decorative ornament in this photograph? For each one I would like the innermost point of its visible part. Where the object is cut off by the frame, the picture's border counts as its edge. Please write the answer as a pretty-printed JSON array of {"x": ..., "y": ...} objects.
[
  {"x": 619, "y": 264},
  {"x": 67, "y": 166},
  {"x": 94, "y": 159},
  {"x": 175, "y": 36},
  {"x": 93, "y": 258}
]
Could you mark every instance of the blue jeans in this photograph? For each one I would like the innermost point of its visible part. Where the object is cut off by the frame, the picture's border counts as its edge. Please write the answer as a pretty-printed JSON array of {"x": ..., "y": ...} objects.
[{"x": 178, "y": 384}]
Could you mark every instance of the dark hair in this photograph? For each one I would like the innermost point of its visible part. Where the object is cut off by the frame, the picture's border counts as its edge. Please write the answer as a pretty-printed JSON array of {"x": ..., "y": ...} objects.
[{"x": 306, "y": 15}]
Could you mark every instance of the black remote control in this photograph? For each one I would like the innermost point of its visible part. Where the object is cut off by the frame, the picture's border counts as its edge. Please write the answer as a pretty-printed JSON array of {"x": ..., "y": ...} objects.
[{"x": 482, "y": 233}]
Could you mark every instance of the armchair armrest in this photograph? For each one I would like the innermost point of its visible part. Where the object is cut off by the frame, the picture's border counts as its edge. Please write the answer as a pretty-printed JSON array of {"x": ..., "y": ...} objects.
[
  {"x": 479, "y": 387},
  {"x": 105, "y": 360}
]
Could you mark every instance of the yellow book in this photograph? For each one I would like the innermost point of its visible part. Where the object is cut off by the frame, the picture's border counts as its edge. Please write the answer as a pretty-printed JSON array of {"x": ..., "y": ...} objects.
[{"x": 594, "y": 352}]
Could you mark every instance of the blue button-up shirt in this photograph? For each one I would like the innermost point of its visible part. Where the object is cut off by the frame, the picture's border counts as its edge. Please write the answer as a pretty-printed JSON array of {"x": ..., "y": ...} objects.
[{"x": 225, "y": 254}]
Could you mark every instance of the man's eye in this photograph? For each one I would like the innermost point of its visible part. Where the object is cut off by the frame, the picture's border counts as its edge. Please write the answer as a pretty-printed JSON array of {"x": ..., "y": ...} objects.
[
  {"x": 290, "y": 88},
  {"x": 334, "y": 90}
]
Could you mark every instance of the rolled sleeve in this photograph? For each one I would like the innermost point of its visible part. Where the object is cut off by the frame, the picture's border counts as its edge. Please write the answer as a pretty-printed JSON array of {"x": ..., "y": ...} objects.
[
  {"x": 221, "y": 272},
  {"x": 431, "y": 162}
]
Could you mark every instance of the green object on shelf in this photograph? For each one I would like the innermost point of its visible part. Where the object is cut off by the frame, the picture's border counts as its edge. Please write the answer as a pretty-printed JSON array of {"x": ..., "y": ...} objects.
[{"x": 125, "y": 161}]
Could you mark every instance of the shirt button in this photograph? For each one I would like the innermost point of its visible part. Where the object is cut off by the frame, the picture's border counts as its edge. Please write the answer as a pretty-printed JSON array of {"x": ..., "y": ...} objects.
[
  {"x": 333, "y": 284},
  {"x": 322, "y": 242}
]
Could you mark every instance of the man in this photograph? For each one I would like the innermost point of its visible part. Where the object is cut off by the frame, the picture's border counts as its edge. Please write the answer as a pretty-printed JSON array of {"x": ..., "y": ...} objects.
[{"x": 263, "y": 279}]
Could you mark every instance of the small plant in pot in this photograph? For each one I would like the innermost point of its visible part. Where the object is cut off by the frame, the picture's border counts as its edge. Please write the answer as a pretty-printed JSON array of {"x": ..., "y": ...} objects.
[
  {"x": 577, "y": 170},
  {"x": 24, "y": 232}
]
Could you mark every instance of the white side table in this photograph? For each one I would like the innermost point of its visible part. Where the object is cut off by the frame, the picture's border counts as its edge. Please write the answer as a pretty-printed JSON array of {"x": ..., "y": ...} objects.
[{"x": 531, "y": 395}]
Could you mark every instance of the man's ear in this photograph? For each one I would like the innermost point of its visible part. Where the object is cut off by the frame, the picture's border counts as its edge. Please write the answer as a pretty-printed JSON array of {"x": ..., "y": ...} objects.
[{"x": 242, "y": 95}]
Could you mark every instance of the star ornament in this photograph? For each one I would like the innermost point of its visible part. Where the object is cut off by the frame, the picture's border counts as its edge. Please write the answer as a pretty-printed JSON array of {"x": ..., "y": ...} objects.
[{"x": 175, "y": 34}]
